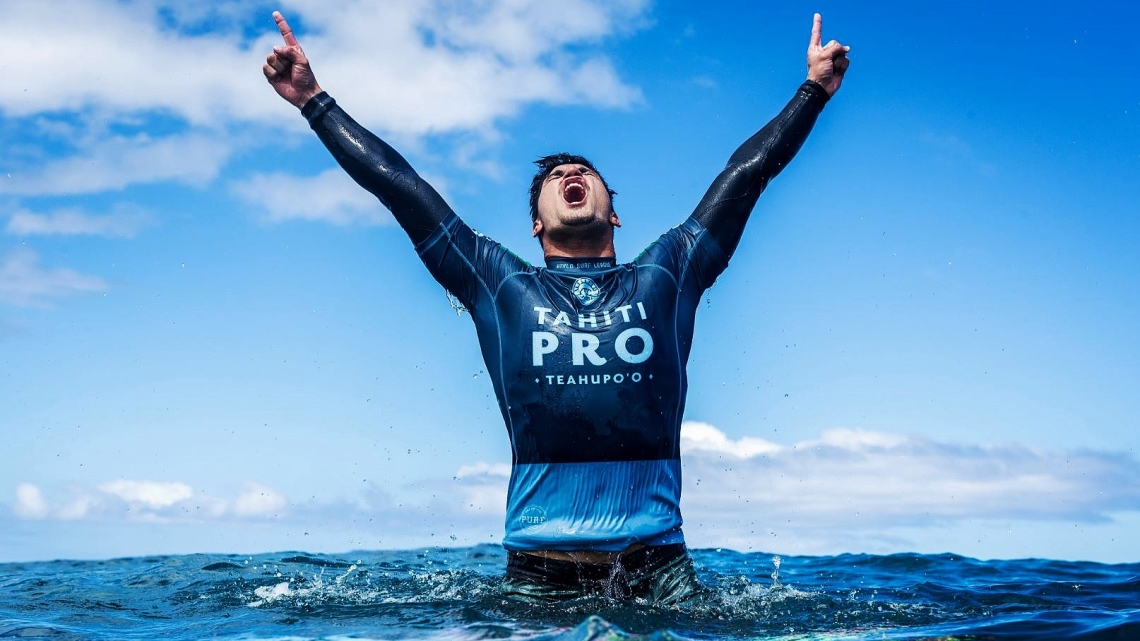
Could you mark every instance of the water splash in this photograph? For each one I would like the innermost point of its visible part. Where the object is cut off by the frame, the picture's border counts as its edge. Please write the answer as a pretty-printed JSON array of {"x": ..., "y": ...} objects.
[
  {"x": 455, "y": 304},
  {"x": 454, "y": 594}
]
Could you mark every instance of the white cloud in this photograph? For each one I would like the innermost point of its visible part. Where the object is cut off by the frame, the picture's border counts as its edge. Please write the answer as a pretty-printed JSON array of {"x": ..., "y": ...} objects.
[
  {"x": 702, "y": 437},
  {"x": 23, "y": 282},
  {"x": 330, "y": 197},
  {"x": 851, "y": 483},
  {"x": 117, "y": 162},
  {"x": 482, "y": 488},
  {"x": 525, "y": 30},
  {"x": 848, "y": 490},
  {"x": 30, "y": 502},
  {"x": 147, "y": 501},
  {"x": 129, "y": 61},
  {"x": 855, "y": 440},
  {"x": 125, "y": 221},
  {"x": 440, "y": 65},
  {"x": 481, "y": 469},
  {"x": 78, "y": 508},
  {"x": 447, "y": 65},
  {"x": 258, "y": 500},
  {"x": 152, "y": 494}
]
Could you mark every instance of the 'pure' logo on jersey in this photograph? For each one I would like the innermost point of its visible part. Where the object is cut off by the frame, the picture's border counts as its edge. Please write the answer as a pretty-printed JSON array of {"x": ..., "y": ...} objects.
[
  {"x": 586, "y": 290},
  {"x": 533, "y": 516}
]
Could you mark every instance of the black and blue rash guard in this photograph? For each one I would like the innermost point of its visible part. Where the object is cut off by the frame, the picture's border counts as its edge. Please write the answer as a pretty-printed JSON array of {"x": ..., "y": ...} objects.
[
  {"x": 587, "y": 356},
  {"x": 588, "y": 363}
]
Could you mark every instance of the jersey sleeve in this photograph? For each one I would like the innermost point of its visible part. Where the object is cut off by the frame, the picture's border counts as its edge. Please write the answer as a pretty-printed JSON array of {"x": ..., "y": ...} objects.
[
  {"x": 378, "y": 168},
  {"x": 727, "y": 204},
  {"x": 689, "y": 253},
  {"x": 468, "y": 264}
]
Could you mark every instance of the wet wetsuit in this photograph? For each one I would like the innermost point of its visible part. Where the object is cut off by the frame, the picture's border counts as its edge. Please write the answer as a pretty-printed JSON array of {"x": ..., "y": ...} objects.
[{"x": 587, "y": 356}]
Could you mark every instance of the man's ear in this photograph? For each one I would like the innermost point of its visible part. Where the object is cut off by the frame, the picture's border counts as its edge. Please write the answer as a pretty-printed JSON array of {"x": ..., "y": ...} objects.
[
  {"x": 614, "y": 220},
  {"x": 536, "y": 230}
]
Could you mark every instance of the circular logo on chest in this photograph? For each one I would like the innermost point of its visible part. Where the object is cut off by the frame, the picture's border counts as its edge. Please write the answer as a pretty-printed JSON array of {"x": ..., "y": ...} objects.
[{"x": 586, "y": 290}]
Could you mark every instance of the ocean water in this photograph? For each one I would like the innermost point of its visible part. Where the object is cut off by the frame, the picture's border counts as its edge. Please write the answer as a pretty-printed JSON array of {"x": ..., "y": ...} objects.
[{"x": 454, "y": 594}]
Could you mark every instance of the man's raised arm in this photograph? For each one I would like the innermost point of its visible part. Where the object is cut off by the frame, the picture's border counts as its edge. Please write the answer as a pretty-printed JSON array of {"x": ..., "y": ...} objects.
[
  {"x": 725, "y": 208},
  {"x": 370, "y": 161}
]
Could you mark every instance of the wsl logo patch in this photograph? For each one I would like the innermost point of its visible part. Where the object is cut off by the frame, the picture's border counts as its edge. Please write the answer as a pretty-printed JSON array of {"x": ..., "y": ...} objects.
[{"x": 586, "y": 291}]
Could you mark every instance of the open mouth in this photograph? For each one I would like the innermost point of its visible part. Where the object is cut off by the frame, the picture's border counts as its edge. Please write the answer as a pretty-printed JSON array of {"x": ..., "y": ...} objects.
[{"x": 574, "y": 191}]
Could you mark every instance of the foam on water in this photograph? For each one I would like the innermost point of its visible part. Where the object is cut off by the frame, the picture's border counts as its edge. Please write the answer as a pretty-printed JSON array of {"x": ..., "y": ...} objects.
[{"x": 454, "y": 594}]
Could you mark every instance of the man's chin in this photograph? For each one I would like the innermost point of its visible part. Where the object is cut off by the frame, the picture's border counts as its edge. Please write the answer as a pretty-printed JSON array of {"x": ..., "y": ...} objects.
[
  {"x": 577, "y": 221},
  {"x": 578, "y": 228}
]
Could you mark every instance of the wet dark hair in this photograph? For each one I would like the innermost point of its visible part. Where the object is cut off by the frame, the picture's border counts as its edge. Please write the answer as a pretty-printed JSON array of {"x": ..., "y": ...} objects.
[{"x": 546, "y": 164}]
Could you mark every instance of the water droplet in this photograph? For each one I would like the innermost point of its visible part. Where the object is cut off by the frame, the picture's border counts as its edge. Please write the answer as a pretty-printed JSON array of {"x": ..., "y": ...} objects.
[{"x": 455, "y": 304}]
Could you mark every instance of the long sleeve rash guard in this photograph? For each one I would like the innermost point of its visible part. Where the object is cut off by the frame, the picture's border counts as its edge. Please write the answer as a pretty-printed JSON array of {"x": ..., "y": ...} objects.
[{"x": 587, "y": 356}]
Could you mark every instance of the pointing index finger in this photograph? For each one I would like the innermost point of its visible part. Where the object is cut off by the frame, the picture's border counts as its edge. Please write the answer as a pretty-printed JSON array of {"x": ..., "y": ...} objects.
[
  {"x": 286, "y": 32},
  {"x": 816, "y": 31}
]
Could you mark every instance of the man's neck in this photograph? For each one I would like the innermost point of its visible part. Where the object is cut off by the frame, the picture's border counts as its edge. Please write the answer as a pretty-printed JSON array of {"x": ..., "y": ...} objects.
[{"x": 578, "y": 248}]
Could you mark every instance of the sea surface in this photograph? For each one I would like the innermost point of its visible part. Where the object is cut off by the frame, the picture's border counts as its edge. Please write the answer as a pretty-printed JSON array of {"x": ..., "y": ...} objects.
[{"x": 454, "y": 594}]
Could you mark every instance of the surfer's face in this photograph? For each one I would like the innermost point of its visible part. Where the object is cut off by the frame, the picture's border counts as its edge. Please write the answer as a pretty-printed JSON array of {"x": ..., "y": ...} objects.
[{"x": 573, "y": 200}]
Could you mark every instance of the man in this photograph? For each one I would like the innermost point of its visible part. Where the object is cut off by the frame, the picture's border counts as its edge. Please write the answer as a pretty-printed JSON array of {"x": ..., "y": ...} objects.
[{"x": 587, "y": 357}]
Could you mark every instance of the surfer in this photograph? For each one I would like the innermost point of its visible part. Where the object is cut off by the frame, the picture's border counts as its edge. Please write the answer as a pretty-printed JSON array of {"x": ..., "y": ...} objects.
[{"x": 587, "y": 356}]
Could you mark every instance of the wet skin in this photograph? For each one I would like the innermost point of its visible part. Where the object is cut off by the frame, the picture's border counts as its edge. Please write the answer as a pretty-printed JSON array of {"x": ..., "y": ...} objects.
[{"x": 575, "y": 214}]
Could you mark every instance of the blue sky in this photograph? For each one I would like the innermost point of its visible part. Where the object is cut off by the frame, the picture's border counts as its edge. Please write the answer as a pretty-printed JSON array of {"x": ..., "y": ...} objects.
[{"x": 211, "y": 340}]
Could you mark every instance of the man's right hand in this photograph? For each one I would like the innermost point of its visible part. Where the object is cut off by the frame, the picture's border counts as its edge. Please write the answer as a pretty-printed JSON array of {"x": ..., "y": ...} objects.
[
  {"x": 826, "y": 63},
  {"x": 287, "y": 69}
]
